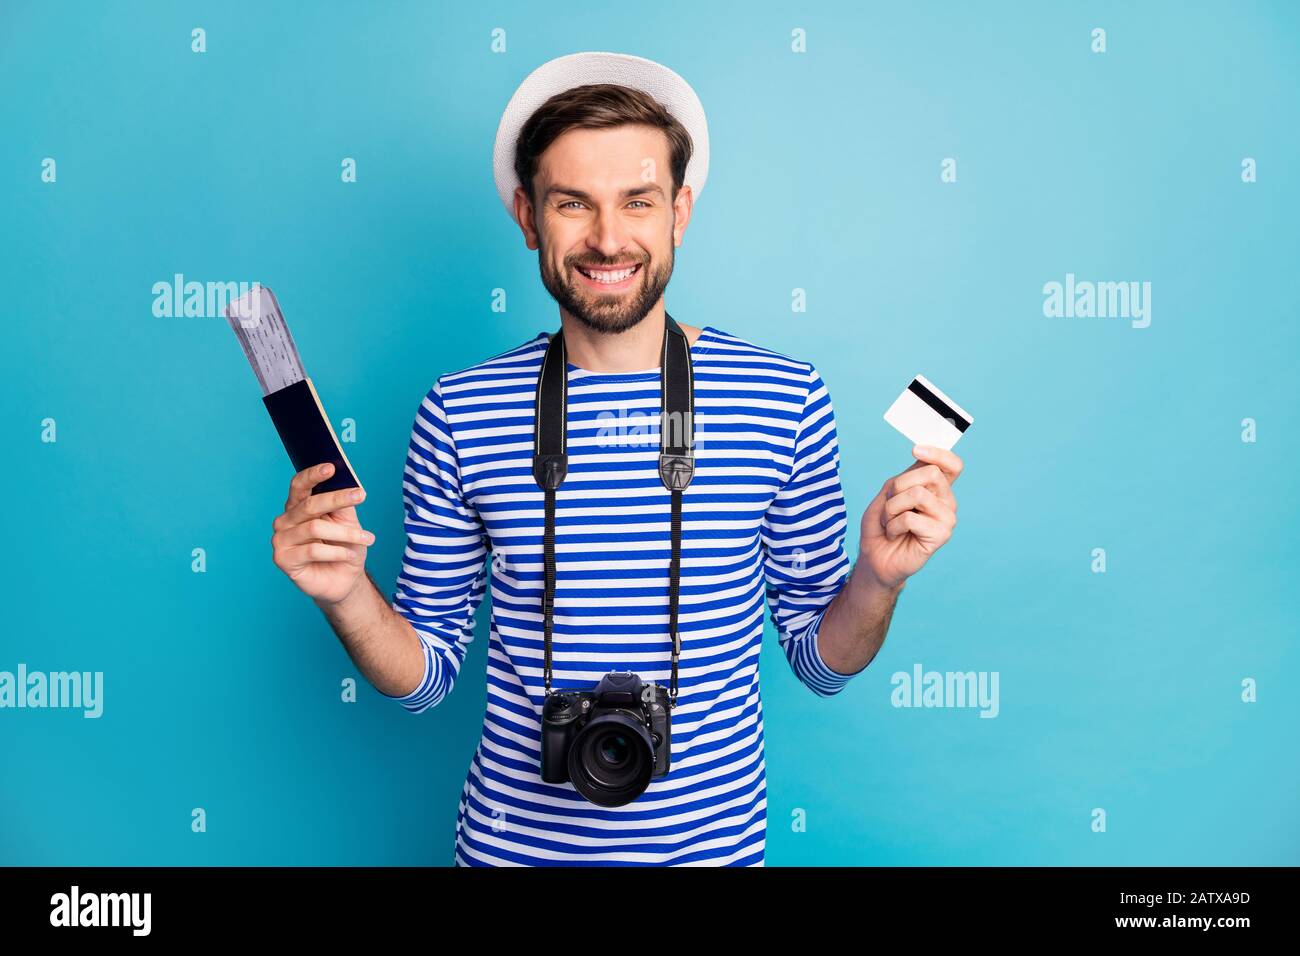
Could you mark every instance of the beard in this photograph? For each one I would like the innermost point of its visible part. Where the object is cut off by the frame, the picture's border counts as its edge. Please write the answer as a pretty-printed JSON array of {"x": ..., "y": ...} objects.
[{"x": 606, "y": 313}]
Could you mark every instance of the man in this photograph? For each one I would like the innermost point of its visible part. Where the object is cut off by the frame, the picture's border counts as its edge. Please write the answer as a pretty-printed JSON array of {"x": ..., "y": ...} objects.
[{"x": 601, "y": 178}]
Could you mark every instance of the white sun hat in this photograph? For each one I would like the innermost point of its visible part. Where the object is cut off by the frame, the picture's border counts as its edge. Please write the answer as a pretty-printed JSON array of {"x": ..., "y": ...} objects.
[{"x": 579, "y": 69}]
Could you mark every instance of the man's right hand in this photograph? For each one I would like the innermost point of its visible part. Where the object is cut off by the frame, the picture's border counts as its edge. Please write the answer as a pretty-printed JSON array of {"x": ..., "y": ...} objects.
[{"x": 318, "y": 541}]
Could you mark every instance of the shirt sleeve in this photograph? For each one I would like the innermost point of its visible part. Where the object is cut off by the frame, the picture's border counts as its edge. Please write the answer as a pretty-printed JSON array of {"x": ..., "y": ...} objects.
[
  {"x": 805, "y": 563},
  {"x": 443, "y": 574}
]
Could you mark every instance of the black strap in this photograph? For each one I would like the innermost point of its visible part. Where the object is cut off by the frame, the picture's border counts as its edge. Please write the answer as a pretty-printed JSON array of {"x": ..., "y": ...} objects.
[{"x": 676, "y": 464}]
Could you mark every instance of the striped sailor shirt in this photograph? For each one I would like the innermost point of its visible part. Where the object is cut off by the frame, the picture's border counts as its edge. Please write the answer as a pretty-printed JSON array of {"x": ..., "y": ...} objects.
[{"x": 763, "y": 527}]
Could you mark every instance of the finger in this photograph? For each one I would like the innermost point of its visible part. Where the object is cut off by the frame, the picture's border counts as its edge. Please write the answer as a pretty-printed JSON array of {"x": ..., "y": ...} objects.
[
  {"x": 873, "y": 521},
  {"x": 322, "y": 529},
  {"x": 317, "y": 552},
  {"x": 305, "y": 481},
  {"x": 930, "y": 476},
  {"x": 946, "y": 460},
  {"x": 925, "y": 529},
  {"x": 316, "y": 505},
  {"x": 921, "y": 499}
]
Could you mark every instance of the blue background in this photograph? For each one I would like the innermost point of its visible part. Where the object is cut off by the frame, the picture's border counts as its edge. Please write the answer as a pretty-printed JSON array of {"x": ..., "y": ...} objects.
[{"x": 222, "y": 690}]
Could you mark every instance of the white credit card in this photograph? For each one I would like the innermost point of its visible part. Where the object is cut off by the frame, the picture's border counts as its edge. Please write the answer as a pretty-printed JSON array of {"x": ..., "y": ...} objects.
[{"x": 927, "y": 416}]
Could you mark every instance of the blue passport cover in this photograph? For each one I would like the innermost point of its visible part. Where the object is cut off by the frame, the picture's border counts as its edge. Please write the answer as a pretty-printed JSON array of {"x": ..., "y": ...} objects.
[{"x": 305, "y": 430}]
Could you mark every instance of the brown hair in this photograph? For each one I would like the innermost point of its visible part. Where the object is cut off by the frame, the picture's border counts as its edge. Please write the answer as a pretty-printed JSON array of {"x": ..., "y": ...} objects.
[{"x": 598, "y": 106}]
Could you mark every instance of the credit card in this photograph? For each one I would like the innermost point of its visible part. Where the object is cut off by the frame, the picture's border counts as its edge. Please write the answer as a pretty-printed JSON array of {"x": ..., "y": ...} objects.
[{"x": 927, "y": 416}]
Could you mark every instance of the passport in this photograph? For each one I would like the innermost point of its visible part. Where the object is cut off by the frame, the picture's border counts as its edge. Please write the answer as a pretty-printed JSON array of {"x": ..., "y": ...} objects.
[{"x": 288, "y": 394}]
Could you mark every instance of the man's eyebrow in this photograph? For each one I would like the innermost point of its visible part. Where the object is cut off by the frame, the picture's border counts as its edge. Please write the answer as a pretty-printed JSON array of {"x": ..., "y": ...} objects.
[{"x": 628, "y": 193}]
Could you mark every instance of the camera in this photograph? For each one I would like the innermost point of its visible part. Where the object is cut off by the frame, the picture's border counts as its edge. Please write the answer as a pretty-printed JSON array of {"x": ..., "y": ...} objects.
[{"x": 609, "y": 742}]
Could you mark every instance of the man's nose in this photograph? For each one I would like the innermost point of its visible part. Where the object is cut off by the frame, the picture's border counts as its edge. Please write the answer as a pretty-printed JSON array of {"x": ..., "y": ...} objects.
[{"x": 608, "y": 236}]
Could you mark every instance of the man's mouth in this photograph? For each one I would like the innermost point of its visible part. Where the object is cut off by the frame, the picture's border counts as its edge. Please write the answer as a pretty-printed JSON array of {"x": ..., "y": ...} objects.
[{"x": 606, "y": 277}]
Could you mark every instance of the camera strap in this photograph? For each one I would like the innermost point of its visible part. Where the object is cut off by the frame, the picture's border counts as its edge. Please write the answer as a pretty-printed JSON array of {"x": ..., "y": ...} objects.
[{"x": 676, "y": 463}]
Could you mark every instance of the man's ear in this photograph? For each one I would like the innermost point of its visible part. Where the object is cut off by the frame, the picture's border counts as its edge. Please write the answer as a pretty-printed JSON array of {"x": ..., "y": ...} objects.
[
  {"x": 524, "y": 214},
  {"x": 683, "y": 203}
]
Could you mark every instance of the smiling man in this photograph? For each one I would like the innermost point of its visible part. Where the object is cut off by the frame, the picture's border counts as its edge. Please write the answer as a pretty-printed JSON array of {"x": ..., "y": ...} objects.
[{"x": 600, "y": 158}]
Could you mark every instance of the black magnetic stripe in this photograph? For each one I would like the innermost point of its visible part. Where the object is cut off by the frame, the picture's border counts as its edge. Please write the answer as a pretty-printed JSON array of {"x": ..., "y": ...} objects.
[{"x": 938, "y": 404}]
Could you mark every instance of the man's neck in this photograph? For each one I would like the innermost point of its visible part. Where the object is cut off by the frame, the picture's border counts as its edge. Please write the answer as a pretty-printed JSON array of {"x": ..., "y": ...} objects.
[{"x": 632, "y": 350}]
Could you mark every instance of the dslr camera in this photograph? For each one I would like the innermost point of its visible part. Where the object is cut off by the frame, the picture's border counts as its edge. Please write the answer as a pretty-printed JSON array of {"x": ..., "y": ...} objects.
[{"x": 609, "y": 742}]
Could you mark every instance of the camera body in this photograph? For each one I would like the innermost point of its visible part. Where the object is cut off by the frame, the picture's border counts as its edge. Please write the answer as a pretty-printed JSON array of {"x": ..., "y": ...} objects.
[{"x": 609, "y": 742}]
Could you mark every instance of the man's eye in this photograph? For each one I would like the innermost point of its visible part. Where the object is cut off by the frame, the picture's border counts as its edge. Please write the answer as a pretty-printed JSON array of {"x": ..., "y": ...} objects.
[
  {"x": 642, "y": 202},
  {"x": 570, "y": 202}
]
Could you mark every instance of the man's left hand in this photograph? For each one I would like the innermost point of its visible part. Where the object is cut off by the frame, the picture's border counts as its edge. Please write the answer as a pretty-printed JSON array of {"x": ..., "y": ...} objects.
[{"x": 912, "y": 516}]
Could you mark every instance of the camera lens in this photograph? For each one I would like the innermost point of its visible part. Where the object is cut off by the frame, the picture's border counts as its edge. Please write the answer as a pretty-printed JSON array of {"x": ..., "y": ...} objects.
[
  {"x": 612, "y": 760},
  {"x": 614, "y": 751}
]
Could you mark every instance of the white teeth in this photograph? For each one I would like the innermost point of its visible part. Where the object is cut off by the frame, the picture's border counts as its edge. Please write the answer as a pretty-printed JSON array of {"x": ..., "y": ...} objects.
[{"x": 609, "y": 277}]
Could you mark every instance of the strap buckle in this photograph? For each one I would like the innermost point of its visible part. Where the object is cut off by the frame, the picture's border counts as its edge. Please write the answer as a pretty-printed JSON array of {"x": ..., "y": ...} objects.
[
  {"x": 549, "y": 471},
  {"x": 676, "y": 471}
]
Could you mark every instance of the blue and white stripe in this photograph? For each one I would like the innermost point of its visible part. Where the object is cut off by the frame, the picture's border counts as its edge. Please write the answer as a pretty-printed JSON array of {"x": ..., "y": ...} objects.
[{"x": 763, "y": 531}]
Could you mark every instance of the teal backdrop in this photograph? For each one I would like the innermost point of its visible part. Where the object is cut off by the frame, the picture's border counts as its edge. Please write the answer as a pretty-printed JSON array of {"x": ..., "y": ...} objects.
[{"x": 1161, "y": 691}]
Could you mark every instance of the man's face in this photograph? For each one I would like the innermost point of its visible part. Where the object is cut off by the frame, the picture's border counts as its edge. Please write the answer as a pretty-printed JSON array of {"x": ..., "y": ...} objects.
[{"x": 605, "y": 226}]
